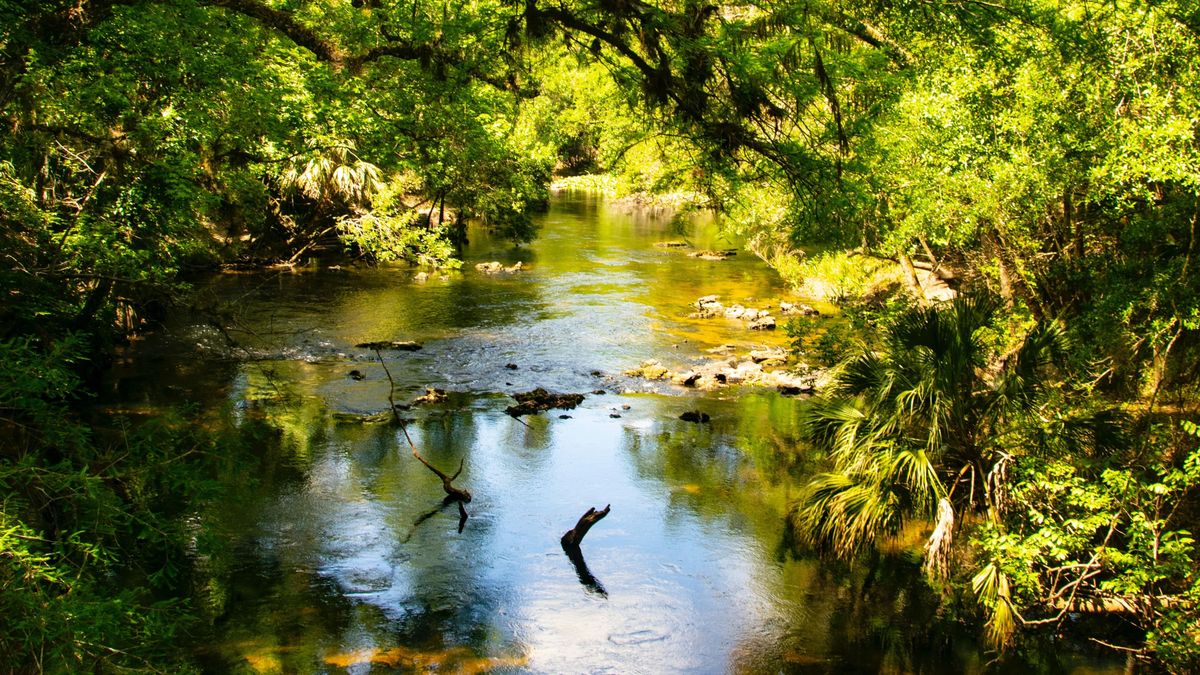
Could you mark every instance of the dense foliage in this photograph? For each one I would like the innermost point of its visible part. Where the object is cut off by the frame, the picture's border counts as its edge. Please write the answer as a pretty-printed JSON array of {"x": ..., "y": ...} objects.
[{"x": 1045, "y": 153}]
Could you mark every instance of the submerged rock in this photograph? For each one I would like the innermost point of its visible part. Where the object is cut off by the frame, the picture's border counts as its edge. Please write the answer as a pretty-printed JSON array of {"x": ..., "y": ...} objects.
[
  {"x": 695, "y": 416},
  {"x": 361, "y": 418},
  {"x": 671, "y": 244}
]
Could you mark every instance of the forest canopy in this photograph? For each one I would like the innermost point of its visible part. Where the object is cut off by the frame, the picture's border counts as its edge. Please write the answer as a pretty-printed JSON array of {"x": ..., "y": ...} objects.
[{"x": 1042, "y": 156}]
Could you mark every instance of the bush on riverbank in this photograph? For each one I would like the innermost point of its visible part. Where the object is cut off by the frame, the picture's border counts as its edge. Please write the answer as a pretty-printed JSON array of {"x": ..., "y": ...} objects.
[{"x": 96, "y": 554}]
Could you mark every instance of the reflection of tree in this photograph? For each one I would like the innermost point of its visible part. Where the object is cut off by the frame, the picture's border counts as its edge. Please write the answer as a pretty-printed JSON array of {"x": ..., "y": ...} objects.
[
  {"x": 285, "y": 604},
  {"x": 716, "y": 471}
]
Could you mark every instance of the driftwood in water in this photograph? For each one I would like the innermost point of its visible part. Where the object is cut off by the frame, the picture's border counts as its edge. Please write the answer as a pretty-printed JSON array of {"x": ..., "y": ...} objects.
[
  {"x": 453, "y": 494},
  {"x": 391, "y": 393},
  {"x": 574, "y": 537}
]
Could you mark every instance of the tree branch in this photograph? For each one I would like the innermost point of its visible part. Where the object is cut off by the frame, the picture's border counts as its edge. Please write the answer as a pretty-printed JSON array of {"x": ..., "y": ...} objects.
[
  {"x": 574, "y": 537},
  {"x": 452, "y": 493},
  {"x": 285, "y": 23}
]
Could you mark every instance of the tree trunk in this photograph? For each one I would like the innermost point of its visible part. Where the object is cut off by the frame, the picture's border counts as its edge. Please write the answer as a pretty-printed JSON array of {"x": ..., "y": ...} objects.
[
  {"x": 910, "y": 278},
  {"x": 1011, "y": 278},
  {"x": 1074, "y": 226}
]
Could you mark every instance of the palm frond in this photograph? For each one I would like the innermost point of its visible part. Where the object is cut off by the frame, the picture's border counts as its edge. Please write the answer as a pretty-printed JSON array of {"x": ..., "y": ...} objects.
[
  {"x": 914, "y": 470},
  {"x": 1020, "y": 381},
  {"x": 991, "y": 587},
  {"x": 861, "y": 373},
  {"x": 844, "y": 515},
  {"x": 833, "y": 423}
]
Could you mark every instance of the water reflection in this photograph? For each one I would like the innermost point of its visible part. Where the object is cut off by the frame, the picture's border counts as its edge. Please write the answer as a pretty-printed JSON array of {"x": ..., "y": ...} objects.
[
  {"x": 589, "y": 580},
  {"x": 341, "y": 555}
]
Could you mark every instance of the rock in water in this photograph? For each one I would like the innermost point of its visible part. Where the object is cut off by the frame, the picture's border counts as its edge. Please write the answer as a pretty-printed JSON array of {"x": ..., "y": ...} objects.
[
  {"x": 651, "y": 370},
  {"x": 723, "y": 254},
  {"x": 431, "y": 395},
  {"x": 539, "y": 399},
  {"x": 496, "y": 267},
  {"x": 694, "y": 416},
  {"x": 391, "y": 345},
  {"x": 761, "y": 355},
  {"x": 788, "y": 309},
  {"x": 763, "y": 323}
]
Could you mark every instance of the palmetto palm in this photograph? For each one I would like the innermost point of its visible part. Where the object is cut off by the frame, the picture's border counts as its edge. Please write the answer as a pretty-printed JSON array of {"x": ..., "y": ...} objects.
[
  {"x": 912, "y": 428},
  {"x": 334, "y": 173}
]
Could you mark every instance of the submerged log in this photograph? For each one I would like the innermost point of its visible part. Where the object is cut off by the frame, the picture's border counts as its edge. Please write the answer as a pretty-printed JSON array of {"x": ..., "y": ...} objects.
[{"x": 574, "y": 537}]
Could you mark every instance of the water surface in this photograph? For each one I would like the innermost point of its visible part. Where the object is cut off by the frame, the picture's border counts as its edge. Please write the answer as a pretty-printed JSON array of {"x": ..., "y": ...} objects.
[{"x": 336, "y": 555}]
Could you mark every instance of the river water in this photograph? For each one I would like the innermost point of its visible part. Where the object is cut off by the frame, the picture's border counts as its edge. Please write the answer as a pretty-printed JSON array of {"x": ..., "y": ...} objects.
[{"x": 333, "y": 552}]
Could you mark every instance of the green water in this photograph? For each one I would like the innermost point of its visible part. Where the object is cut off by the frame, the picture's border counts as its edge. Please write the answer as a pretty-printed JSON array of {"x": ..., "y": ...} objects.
[{"x": 333, "y": 553}]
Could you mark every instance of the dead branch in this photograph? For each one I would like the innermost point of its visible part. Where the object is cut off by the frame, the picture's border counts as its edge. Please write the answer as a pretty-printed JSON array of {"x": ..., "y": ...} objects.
[
  {"x": 574, "y": 537},
  {"x": 392, "y": 396},
  {"x": 453, "y": 494}
]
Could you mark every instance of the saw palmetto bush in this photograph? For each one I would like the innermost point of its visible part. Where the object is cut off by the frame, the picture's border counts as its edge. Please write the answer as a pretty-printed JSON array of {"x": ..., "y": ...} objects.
[{"x": 926, "y": 428}]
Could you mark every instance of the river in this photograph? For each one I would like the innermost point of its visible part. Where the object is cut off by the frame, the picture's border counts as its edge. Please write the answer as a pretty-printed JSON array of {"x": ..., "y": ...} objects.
[{"x": 333, "y": 554}]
